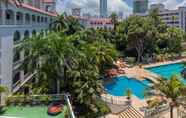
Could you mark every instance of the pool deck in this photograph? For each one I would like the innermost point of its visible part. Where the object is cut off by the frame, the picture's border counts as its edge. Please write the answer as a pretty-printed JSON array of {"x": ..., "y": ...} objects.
[
  {"x": 116, "y": 102},
  {"x": 164, "y": 63}
]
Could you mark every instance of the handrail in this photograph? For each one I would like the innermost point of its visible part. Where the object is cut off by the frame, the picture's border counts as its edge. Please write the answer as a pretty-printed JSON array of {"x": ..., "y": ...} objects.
[
  {"x": 114, "y": 100},
  {"x": 70, "y": 106},
  {"x": 156, "y": 110}
]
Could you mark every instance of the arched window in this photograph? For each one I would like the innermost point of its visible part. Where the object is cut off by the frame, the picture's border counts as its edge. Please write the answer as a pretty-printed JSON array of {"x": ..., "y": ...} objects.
[
  {"x": 26, "y": 34},
  {"x": 9, "y": 17},
  {"x": 17, "y": 36},
  {"x": 27, "y": 18},
  {"x": 46, "y": 19},
  {"x": 38, "y": 19},
  {"x": 42, "y": 19},
  {"x": 19, "y": 18},
  {"x": 33, "y": 18},
  {"x": 34, "y": 33}
]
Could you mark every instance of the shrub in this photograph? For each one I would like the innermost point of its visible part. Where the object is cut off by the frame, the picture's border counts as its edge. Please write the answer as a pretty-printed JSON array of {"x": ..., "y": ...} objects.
[{"x": 102, "y": 107}]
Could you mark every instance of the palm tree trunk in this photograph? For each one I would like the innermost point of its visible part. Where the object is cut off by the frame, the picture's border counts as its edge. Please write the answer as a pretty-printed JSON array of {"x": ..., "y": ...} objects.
[
  {"x": 58, "y": 86},
  {"x": 171, "y": 111}
]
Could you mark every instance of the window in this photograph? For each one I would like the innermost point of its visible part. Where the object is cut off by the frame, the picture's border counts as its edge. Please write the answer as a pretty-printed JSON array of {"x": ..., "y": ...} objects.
[
  {"x": 33, "y": 18},
  {"x": 17, "y": 36},
  {"x": 17, "y": 56},
  {"x": 16, "y": 77},
  {"x": 38, "y": 19}
]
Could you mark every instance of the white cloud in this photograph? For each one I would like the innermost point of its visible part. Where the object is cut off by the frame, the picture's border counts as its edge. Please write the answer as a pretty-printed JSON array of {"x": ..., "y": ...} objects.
[
  {"x": 170, "y": 4},
  {"x": 92, "y": 6}
]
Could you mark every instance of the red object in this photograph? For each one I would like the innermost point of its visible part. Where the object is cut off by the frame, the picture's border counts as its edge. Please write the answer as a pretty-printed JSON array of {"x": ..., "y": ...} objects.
[{"x": 55, "y": 108}]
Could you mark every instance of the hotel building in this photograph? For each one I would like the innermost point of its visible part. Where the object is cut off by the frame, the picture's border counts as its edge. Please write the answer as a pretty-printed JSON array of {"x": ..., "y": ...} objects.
[
  {"x": 20, "y": 20},
  {"x": 173, "y": 18}
]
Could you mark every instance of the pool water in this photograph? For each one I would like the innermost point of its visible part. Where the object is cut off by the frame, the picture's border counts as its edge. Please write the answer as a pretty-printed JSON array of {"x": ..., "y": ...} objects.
[
  {"x": 120, "y": 85},
  {"x": 166, "y": 71}
]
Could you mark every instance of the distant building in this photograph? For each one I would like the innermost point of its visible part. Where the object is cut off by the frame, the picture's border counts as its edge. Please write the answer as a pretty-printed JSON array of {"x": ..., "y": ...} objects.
[
  {"x": 103, "y": 8},
  {"x": 140, "y": 6},
  {"x": 120, "y": 15},
  {"x": 87, "y": 15},
  {"x": 173, "y": 18},
  {"x": 100, "y": 23},
  {"x": 76, "y": 12},
  {"x": 96, "y": 23}
]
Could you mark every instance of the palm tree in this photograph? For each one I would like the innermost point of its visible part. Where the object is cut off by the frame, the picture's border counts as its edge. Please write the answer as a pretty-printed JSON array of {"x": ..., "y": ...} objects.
[
  {"x": 2, "y": 90},
  {"x": 51, "y": 56},
  {"x": 67, "y": 24},
  {"x": 174, "y": 18},
  {"x": 172, "y": 89},
  {"x": 114, "y": 20}
]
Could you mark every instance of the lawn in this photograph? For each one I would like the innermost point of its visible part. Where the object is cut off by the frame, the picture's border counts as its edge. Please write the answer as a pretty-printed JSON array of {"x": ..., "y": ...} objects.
[{"x": 31, "y": 112}]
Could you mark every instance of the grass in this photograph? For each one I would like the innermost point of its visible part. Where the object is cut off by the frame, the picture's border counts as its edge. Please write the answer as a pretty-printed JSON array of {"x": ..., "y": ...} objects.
[{"x": 31, "y": 112}]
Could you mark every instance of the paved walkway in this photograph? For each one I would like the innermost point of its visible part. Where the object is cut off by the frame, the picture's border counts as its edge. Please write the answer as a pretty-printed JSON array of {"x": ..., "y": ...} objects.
[
  {"x": 141, "y": 74},
  {"x": 164, "y": 63}
]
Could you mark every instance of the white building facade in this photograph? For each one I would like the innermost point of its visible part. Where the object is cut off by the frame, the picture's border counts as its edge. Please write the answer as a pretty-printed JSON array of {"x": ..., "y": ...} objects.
[
  {"x": 17, "y": 22},
  {"x": 173, "y": 18}
]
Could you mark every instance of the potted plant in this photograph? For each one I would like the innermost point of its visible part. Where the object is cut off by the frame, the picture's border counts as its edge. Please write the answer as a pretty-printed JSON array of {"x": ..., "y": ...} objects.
[{"x": 129, "y": 94}]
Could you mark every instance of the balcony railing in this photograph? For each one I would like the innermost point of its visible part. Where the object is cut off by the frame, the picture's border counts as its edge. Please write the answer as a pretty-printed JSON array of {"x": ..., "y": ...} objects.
[
  {"x": 19, "y": 22},
  {"x": 9, "y": 22}
]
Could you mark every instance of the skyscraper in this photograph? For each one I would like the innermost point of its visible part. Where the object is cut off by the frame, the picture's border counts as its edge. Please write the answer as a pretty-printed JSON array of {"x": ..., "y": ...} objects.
[
  {"x": 140, "y": 6},
  {"x": 103, "y": 8}
]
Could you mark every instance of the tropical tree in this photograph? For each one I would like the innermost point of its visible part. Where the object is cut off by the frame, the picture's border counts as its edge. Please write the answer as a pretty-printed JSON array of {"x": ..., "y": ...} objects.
[
  {"x": 67, "y": 24},
  {"x": 172, "y": 89},
  {"x": 2, "y": 90},
  {"x": 73, "y": 63},
  {"x": 173, "y": 18},
  {"x": 114, "y": 20}
]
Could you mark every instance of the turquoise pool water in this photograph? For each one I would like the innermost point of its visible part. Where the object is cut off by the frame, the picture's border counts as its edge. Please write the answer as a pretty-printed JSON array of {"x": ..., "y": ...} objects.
[
  {"x": 120, "y": 85},
  {"x": 167, "y": 71}
]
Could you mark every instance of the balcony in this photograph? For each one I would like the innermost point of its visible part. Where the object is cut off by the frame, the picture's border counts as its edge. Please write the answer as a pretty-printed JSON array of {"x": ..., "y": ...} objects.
[
  {"x": 1, "y": 17},
  {"x": 27, "y": 19},
  {"x": 9, "y": 18}
]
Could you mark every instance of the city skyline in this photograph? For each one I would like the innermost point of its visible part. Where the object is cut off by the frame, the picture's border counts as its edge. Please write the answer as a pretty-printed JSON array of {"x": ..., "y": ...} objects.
[
  {"x": 92, "y": 6},
  {"x": 103, "y": 8}
]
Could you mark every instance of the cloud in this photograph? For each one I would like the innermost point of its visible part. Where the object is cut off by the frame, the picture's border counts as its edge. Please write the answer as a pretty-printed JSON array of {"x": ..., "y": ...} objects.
[
  {"x": 92, "y": 6},
  {"x": 170, "y": 4},
  {"x": 125, "y": 6}
]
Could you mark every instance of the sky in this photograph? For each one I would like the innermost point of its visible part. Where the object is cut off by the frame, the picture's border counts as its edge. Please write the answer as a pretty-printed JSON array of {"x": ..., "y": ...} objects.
[{"x": 125, "y": 6}]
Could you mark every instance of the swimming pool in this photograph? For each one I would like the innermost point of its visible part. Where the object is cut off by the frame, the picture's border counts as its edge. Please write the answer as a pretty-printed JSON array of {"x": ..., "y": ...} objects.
[
  {"x": 120, "y": 85},
  {"x": 166, "y": 71}
]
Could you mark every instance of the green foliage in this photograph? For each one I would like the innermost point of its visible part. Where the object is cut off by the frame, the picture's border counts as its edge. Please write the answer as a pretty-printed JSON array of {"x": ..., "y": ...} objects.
[
  {"x": 128, "y": 93},
  {"x": 102, "y": 107},
  {"x": 147, "y": 36},
  {"x": 172, "y": 89},
  {"x": 2, "y": 89},
  {"x": 70, "y": 62}
]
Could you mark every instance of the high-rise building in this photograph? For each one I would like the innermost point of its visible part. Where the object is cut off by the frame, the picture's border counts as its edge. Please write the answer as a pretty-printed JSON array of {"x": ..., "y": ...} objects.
[
  {"x": 76, "y": 11},
  {"x": 103, "y": 8},
  {"x": 140, "y": 6}
]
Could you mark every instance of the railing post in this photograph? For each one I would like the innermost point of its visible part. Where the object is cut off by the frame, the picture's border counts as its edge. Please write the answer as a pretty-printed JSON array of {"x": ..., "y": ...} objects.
[{"x": 70, "y": 106}]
